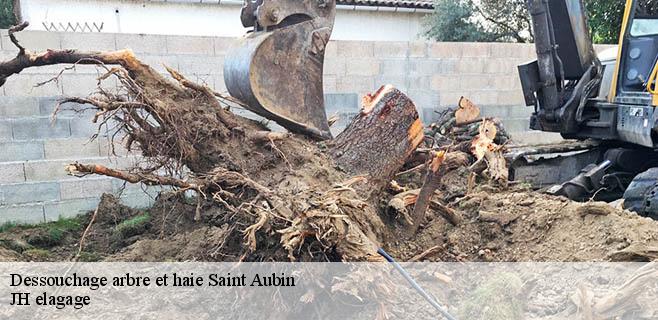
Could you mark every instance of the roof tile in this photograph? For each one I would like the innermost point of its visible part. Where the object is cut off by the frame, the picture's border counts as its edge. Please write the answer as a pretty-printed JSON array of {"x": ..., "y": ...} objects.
[{"x": 418, "y": 4}]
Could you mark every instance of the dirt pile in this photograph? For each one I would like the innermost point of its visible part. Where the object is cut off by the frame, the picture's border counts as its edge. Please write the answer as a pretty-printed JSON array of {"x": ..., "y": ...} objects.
[{"x": 499, "y": 225}]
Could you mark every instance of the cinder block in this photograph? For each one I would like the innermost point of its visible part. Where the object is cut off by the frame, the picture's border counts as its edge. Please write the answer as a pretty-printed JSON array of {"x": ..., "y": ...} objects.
[
  {"x": 362, "y": 67},
  {"x": 5, "y": 130},
  {"x": 71, "y": 148},
  {"x": 516, "y": 125},
  {"x": 475, "y": 49},
  {"x": 500, "y": 66},
  {"x": 47, "y": 170},
  {"x": 141, "y": 43},
  {"x": 81, "y": 189},
  {"x": 84, "y": 128},
  {"x": 418, "y": 49},
  {"x": 441, "y": 82},
  {"x": 423, "y": 83},
  {"x": 123, "y": 188},
  {"x": 106, "y": 149},
  {"x": 502, "y": 112},
  {"x": 505, "y": 82},
  {"x": 391, "y": 49},
  {"x": 89, "y": 41},
  {"x": 41, "y": 128},
  {"x": 24, "y": 193},
  {"x": 329, "y": 83},
  {"x": 191, "y": 64},
  {"x": 82, "y": 85},
  {"x": 23, "y": 214},
  {"x": 190, "y": 45},
  {"x": 69, "y": 208},
  {"x": 482, "y": 97},
  {"x": 21, "y": 151},
  {"x": 158, "y": 62},
  {"x": 72, "y": 111},
  {"x": 12, "y": 172},
  {"x": 356, "y": 49},
  {"x": 35, "y": 41},
  {"x": 423, "y": 99},
  {"x": 511, "y": 97},
  {"x": 472, "y": 65},
  {"x": 450, "y": 98},
  {"x": 47, "y": 105},
  {"x": 447, "y": 66},
  {"x": 445, "y": 50},
  {"x": 475, "y": 82},
  {"x": 508, "y": 50},
  {"x": 223, "y": 45},
  {"x": 330, "y": 52},
  {"x": 19, "y": 106},
  {"x": 398, "y": 67},
  {"x": 26, "y": 85},
  {"x": 359, "y": 84},
  {"x": 341, "y": 103},
  {"x": 138, "y": 201},
  {"x": 427, "y": 67},
  {"x": 399, "y": 82},
  {"x": 428, "y": 115},
  {"x": 335, "y": 66}
]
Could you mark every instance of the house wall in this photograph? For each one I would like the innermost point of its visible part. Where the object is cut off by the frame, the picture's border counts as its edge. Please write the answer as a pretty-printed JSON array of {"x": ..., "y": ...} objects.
[
  {"x": 34, "y": 150},
  {"x": 206, "y": 18}
]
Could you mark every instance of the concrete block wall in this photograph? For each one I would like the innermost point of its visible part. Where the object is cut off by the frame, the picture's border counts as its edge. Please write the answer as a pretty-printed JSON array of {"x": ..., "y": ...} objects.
[{"x": 34, "y": 149}]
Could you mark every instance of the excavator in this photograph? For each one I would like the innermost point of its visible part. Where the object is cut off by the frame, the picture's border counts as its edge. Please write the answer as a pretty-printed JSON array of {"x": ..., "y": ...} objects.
[{"x": 603, "y": 105}]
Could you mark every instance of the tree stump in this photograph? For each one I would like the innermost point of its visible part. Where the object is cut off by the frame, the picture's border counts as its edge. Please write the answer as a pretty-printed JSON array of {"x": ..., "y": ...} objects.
[{"x": 380, "y": 138}]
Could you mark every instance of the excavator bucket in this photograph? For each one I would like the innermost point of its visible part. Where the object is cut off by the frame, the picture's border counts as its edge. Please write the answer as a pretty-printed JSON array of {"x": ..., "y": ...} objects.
[{"x": 276, "y": 69}]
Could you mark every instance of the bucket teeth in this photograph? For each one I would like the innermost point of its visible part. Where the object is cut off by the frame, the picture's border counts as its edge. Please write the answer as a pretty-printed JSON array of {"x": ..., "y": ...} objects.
[{"x": 277, "y": 68}]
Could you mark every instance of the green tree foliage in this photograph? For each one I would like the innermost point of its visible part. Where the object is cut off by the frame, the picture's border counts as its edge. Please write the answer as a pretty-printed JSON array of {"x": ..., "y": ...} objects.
[
  {"x": 484, "y": 21},
  {"x": 605, "y": 19},
  {"x": 7, "y": 18},
  {"x": 509, "y": 21},
  {"x": 453, "y": 20}
]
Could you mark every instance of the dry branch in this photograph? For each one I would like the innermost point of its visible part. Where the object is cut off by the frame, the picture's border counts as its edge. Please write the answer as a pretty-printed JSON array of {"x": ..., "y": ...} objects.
[{"x": 440, "y": 163}]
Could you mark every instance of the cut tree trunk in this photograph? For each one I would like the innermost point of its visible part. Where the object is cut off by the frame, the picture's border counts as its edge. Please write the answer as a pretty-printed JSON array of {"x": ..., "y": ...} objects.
[{"x": 380, "y": 138}]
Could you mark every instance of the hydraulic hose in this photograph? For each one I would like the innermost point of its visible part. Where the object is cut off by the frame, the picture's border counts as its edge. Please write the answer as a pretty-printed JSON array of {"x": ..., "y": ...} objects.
[{"x": 415, "y": 285}]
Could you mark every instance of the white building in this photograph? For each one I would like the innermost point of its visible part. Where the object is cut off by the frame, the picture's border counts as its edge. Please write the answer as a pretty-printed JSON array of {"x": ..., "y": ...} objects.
[{"x": 382, "y": 20}]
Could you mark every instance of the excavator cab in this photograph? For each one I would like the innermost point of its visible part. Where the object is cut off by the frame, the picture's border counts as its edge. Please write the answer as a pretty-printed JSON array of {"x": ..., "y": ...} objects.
[
  {"x": 583, "y": 97},
  {"x": 276, "y": 69}
]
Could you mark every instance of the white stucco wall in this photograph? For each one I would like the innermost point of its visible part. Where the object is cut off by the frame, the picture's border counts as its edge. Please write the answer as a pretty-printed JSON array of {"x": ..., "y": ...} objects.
[{"x": 206, "y": 19}]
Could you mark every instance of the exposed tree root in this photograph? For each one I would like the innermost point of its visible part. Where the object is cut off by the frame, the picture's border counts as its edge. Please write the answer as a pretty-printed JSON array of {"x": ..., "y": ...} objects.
[{"x": 270, "y": 185}]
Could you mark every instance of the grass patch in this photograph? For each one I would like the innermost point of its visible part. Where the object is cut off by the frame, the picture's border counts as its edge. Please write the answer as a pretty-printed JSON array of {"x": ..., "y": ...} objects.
[
  {"x": 495, "y": 299},
  {"x": 54, "y": 233},
  {"x": 10, "y": 226},
  {"x": 66, "y": 224},
  {"x": 134, "y": 226},
  {"x": 7, "y": 226}
]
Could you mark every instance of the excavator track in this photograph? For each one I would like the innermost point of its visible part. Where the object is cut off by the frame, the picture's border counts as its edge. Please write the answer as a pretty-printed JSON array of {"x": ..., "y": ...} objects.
[{"x": 550, "y": 164}]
